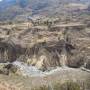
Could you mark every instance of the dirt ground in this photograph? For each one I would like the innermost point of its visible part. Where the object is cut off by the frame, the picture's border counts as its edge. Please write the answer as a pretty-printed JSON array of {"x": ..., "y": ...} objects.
[{"x": 14, "y": 82}]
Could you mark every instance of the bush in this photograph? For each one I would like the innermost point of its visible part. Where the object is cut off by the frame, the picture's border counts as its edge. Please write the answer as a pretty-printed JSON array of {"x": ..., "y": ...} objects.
[
  {"x": 67, "y": 86},
  {"x": 41, "y": 88},
  {"x": 87, "y": 83}
]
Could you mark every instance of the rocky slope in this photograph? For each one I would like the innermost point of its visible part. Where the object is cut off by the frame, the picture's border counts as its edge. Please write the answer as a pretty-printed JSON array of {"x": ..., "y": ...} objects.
[{"x": 46, "y": 47}]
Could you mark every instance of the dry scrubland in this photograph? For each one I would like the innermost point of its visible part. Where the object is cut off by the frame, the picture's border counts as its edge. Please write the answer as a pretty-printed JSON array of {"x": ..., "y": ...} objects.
[
  {"x": 57, "y": 46},
  {"x": 31, "y": 43},
  {"x": 73, "y": 79}
]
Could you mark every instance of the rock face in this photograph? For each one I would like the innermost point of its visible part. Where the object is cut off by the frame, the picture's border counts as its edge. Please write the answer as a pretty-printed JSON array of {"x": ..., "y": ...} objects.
[
  {"x": 9, "y": 52},
  {"x": 60, "y": 45},
  {"x": 87, "y": 64}
]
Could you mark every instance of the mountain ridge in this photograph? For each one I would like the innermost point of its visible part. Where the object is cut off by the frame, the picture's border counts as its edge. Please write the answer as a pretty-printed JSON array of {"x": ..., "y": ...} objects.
[{"x": 10, "y": 9}]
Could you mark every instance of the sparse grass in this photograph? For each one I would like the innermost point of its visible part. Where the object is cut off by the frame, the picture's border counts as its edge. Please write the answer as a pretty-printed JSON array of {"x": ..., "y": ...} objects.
[
  {"x": 88, "y": 83},
  {"x": 41, "y": 88},
  {"x": 65, "y": 86}
]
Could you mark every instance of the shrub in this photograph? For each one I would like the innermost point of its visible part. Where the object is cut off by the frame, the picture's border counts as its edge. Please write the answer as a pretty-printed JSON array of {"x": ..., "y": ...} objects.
[
  {"x": 65, "y": 86},
  {"x": 41, "y": 88}
]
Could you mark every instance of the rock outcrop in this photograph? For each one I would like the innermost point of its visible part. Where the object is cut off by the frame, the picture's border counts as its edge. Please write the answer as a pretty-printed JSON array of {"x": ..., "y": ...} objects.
[{"x": 63, "y": 45}]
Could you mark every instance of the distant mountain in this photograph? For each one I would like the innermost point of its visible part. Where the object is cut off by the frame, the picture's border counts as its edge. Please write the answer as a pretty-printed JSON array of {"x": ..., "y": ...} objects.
[
  {"x": 6, "y": 3},
  {"x": 10, "y": 9}
]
